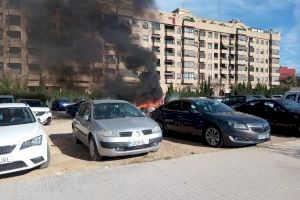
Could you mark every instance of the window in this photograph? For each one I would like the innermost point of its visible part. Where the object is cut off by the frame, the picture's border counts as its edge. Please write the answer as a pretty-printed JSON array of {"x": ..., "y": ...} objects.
[
  {"x": 189, "y": 64},
  {"x": 178, "y": 75},
  {"x": 189, "y": 30},
  {"x": 209, "y": 34},
  {"x": 179, "y": 42},
  {"x": 15, "y": 51},
  {"x": 257, "y": 41},
  {"x": 14, "y": 34},
  {"x": 216, "y": 46},
  {"x": 209, "y": 66},
  {"x": 179, "y": 30},
  {"x": 145, "y": 25},
  {"x": 34, "y": 67},
  {"x": 216, "y": 66},
  {"x": 216, "y": 35},
  {"x": 291, "y": 97},
  {"x": 14, "y": 4},
  {"x": 189, "y": 76},
  {"x": 275, "y": 52},
  {"x": 14, "y": 20},
  {"x": 145, "y": 38},
  {"x": 262, "y": 42},
  {"x": 202, "y": 33},
  {"x": 202, "y": 65},
  {"x": 275, "y": 60},
  {"x": 155, "y": 26},
  {"x": 267, "y": 61},
  {"x": 242, "y": 38},
  {"x": 189, "y": 53},
  {"x": 186, "y": 106},
  {"x": 202, "y": 43},
  {"x": 209, "y": 45},
  {"x": 202, "y": 54},
  {"x": 275, "y": 43},
  {"x": 110, "y": 59},
  {"x": 173, "y": 106},
  {"x": 216, "y": 56},
  {"x": 267, "y": 43},
  {"x": 189, "y": 42},
  {"x": 216, "y": 76},
  {"x": 15, "y": 66}
]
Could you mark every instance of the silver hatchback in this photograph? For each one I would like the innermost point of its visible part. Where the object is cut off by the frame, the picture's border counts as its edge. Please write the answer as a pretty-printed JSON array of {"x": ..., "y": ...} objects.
[{"x": 115, "y": 128}]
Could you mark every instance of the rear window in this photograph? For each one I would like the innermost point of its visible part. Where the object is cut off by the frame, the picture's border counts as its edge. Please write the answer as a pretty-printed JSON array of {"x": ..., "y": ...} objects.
[
  {"x": 34, "y": 103},
  {"x": 291, "y": 97},
  {"x": 6, "y": 100}
]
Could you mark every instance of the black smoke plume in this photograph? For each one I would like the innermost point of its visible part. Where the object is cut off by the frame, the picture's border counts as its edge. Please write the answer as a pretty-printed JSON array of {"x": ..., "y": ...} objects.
[{"x": 75, "y": 32}]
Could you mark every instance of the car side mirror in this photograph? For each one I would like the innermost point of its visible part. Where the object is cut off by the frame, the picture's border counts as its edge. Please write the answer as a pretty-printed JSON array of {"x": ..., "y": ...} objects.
[
  {"x": 86, "y": 117},
  {"x": 39, "y": 120}
]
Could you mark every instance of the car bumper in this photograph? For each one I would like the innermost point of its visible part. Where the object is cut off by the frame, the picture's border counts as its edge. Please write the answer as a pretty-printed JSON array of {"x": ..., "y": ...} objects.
[
  {"x": 122, "y": 148},
  {"x": 45, "y": 118},
  {"x": 237, "y": 137},
  {"x": 25, "y": 159}
]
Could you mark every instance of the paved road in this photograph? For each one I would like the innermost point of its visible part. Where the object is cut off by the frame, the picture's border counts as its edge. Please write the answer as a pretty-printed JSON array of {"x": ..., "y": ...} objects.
[{"x": 265, "y": 172}]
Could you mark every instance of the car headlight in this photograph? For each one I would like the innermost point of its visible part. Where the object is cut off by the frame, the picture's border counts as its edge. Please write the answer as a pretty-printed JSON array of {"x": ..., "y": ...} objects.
[
  {"x": 238, "y": 125},
  {"x": 156, "y": 129},
  {"x": 107, "y": 133},
  {"x": 33, "y": 142}
]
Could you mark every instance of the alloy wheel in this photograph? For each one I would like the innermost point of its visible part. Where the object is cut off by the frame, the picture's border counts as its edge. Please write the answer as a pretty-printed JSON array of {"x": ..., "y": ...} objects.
[{"x": 212, "y": 137}]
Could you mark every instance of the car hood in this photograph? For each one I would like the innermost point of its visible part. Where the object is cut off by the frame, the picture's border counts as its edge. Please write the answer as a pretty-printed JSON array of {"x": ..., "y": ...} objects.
[
  {"x": 237, "y": 117},
  {"x": 13, "y": 135},
  {"x": 126, "y": 124}
]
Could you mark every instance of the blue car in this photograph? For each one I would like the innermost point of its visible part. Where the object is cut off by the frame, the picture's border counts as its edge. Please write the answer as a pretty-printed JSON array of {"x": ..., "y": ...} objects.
[{"x": 61, "y": 104}]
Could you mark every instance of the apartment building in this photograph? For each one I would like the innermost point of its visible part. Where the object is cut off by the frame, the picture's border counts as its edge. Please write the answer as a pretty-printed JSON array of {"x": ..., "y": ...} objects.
[
  {"x": 192, "y": 49},
  {"x": 189, "y": 50}
]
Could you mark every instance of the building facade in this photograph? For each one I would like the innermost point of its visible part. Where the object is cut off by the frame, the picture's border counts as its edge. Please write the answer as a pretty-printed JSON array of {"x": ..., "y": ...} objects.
[{"x": 189, "y": 51}]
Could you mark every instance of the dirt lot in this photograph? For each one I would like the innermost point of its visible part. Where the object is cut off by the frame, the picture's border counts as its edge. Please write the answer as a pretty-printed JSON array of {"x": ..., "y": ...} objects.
[{"x": 68, "y": 157}]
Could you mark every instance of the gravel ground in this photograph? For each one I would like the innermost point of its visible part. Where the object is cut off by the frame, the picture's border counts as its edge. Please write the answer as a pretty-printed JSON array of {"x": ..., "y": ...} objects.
[{"x": 67, "y": 157}]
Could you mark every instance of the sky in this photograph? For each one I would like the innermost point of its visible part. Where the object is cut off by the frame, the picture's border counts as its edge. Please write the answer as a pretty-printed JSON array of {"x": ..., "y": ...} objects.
[{"x": 283, "y": 15}]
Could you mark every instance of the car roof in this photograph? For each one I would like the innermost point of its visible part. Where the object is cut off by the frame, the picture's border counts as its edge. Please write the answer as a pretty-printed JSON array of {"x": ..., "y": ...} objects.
[
  {"x": 196, "y": 99},
  {"x": 5, "y": 96},
  {"x": 108, "y": 101},
  {"x": 30, "y": 100},
  {"x": 13, "y": 105}
]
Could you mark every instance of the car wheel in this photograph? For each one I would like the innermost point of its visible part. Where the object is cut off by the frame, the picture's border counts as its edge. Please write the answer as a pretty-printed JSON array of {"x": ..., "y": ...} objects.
[
  {"x": 46, "y": 164},
  {"x": 213, "y": 137},
  {"x": 48, "y": 122},
  {"x": 94, "y": 155}
]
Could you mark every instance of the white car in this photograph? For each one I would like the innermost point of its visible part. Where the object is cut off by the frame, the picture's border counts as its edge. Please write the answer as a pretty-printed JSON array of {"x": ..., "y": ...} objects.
[
  {"x": 23, "y": 142},
  {"x": 40, "y": 109}
]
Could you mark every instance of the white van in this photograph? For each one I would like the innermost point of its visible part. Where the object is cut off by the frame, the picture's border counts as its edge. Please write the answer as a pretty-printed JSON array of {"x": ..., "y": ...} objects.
[{"x": 293, "y": 95}]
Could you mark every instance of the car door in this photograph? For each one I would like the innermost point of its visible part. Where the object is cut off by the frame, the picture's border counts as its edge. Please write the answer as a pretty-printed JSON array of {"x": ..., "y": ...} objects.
[
  {"x": 78, "y": 122},
  {"x": 86, "y": 123},
  {"x": 171, "y": 113},
  {"x": 267, "y": 112},
  {"x": 190, "y": 118}
]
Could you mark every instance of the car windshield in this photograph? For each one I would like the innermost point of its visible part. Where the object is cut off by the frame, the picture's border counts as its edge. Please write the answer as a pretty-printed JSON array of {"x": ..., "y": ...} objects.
[
  {"x": 6, "y": 100},
  {"x": 289, "y": 105},
  {"x": 15, "y": 116},
  {"x": 213, "y": 106},
  {"x": 115, "y": 110},
  {"x": 34, "y": 103}
]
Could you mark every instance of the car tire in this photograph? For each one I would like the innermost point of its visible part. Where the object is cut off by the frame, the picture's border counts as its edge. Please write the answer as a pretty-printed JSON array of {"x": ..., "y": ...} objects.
[
  {"x": 48, "y": 122},
  {"x": 213, "y": 137},
  {"x": 94, "y": 155},
  {"x": 47, "y": 163}
]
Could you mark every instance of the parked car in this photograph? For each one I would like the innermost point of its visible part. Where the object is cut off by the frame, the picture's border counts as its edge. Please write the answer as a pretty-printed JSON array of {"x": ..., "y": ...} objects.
[
  {"x": 7, "y": 99},
  {"x": 73, "y": 109},
  {"x": 61, "y": 104},
  {"x": 279, "y": 96},
  {"x": 279, "y": 112},
  {"x": 293, "y": 96},
  {"x": 40, "y": 109},
  {"x": 216, "y": 122},
  {"x": 115, "y": 128},
  {"x": 23, "y": 143},
  {"x": 234, "y": 101}
]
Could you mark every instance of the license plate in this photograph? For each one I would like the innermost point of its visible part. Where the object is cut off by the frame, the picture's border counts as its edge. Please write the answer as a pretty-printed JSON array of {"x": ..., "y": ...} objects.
[
  {"x": 5, "y": 160},
  {"x": 264, "y": 136},
  {"x": 138, "y": 143}
]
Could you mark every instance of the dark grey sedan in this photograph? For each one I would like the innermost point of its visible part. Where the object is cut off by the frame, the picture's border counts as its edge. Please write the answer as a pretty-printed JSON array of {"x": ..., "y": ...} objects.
[{"x": 216, "y": 122}]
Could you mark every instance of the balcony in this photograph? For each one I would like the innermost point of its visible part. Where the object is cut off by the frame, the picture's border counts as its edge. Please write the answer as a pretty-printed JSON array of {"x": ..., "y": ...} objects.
[{"x": 14, "y": 42}]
